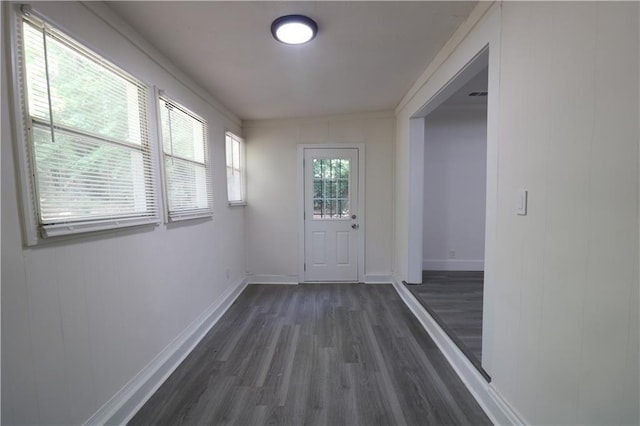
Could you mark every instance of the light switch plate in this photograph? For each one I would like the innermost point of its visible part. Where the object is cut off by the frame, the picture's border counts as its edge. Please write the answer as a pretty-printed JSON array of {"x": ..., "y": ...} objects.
[{"x": 521, "y": 202}]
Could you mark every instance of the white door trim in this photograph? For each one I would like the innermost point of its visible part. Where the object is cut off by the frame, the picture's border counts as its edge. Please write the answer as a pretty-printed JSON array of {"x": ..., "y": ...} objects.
[
  {"x": 361, "y": 201},
  {"x": 438, "y": 88}
]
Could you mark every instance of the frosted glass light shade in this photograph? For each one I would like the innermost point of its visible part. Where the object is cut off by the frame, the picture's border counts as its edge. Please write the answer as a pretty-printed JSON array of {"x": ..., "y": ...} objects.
[{"x": 294, "y": 29}]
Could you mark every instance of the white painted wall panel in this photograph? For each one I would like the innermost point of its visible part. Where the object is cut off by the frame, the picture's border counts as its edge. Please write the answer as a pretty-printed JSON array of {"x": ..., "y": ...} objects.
[
  {"x": 79, "y": 389},
  {"x": 19, "y": 387},
  {"x": 272, "y": 185},
  {"x": 536, "y": 149},
  {"x": 564, "y": 345},
  {"x": 272, "y": 247},
  {"x": 45, "y": 323},
  {"x": 105, "y": 318},
  {"x": 401, "y": 196},
  {"x": 564, "y": 245},
  {"x": 379, "y": 177},
  {"x": 455, "y": 173},
  {"x": 81, "y": 318},
  {"x": 613, "y": 181}
]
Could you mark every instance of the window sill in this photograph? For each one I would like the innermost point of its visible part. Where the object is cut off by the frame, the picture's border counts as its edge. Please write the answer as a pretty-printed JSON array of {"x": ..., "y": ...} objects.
[
  {"x": 63, "y": 231},
  {"x": 178, "y": 217},
  {"x": 237, "y": 203}
]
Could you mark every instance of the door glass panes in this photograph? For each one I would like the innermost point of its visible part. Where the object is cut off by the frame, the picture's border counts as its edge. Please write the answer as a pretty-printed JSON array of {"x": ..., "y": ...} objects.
[{"x": 331, "y": 188}]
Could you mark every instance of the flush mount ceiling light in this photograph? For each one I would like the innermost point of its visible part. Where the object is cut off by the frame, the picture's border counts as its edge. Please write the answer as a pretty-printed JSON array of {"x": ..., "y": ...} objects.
[{"x": 294, "y": 29}]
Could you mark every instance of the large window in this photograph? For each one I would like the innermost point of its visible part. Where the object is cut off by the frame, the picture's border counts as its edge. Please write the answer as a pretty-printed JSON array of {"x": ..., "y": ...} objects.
[
  {"x": 186, "y": 162},
  {"x": 235, "y": 169},
  {"x": 87, "y": 157}
]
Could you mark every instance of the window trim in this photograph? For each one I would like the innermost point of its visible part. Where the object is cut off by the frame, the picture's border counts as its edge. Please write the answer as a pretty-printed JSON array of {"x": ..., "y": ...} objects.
[
  {"x": 169, "y": 217},
  {"x": 34, "y": 232},
  {"x": 21, "y": 132},
  {"x": 243, "y": 169}
]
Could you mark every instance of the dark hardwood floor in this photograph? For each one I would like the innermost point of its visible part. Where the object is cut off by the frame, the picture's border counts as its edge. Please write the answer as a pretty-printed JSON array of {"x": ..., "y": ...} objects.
[
  {"x": 314, "y": 354},
  {"x": 454, "y": 300}
]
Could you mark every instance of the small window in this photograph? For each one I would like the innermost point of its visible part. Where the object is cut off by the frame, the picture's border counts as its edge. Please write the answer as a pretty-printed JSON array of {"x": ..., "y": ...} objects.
[
  {"x": 87, "y": 160},
  {"x": 186, "y": 162},
  {"x": 331, "y": 188},
  {"x": 235, "y": 170}
]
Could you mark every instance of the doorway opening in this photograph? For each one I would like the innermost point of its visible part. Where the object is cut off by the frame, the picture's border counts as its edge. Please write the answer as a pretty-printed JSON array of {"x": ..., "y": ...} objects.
[
  {"x": 331, "y": 223},
  {"x": 447, "y": 269}
]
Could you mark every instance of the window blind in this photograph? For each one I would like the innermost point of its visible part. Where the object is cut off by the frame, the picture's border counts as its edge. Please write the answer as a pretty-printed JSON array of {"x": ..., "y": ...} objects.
[
  {"x": 186, "y": 162},
  {"x": 89, "y": 142}
]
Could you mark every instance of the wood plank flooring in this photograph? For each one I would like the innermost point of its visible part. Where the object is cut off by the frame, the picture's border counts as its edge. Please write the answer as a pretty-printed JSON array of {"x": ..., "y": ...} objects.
[
  {"x": 454, "y": 300},
  {"x": 314, "y": 354}
]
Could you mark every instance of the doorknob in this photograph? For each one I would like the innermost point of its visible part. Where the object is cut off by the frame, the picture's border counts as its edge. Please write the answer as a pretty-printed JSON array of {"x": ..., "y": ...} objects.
[
  {"x": 353, "y": 216},
  {"x": 355, "y": 226}
]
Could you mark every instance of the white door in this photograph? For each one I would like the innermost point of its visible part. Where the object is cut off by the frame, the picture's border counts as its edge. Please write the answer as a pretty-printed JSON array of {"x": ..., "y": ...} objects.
[{"x": 331, "y": 224}]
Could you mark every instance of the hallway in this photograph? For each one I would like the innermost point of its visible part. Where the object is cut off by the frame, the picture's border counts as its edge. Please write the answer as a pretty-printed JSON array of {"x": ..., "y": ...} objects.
[{"x": 316, "y": 354}]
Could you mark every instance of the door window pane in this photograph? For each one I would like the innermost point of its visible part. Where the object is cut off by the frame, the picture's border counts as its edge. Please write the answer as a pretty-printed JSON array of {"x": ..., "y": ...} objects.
[{"x": 331, "y": 188}]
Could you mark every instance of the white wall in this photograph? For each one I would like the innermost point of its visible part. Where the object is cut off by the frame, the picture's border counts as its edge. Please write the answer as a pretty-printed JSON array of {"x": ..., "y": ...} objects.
[
  {"x": 272, "y": 214},
  {"x": 81, "y": 318},
  {"x": 563, "y": 326},
  {"x": 455, "y": 173}
]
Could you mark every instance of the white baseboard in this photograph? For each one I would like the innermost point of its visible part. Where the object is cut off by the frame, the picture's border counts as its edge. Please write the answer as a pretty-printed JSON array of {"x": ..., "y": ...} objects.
[
  {"x": 127, "y": 401},
  {"x": 378, "y": 279},
  {"x": 453, "y": 265},
  {"x": 272, "y": 279},
  {"x": 514, "y": 417},
  {"x": 293, "y": 279},
  {"x": 496, "y": 408}
]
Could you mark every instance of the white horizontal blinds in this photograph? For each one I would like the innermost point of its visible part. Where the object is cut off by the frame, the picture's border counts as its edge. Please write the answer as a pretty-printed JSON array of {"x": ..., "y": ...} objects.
[
  {"x": 89, "y": 135},
  {"x": 186, "y": 162},
  {"x": 235, "y": 181}
]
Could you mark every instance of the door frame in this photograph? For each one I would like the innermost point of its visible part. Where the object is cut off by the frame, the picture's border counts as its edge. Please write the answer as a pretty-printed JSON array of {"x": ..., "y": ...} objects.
[
  {"x": 416, "y": 164},
  {"x": 360, "y": 147},
  {"x": 468, "y": 63}
]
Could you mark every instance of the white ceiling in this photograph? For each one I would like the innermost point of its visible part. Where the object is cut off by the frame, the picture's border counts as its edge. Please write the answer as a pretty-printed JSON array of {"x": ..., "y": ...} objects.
[
  {"x": 479, "y": 83},
  {"x": 365, "y": 57}
]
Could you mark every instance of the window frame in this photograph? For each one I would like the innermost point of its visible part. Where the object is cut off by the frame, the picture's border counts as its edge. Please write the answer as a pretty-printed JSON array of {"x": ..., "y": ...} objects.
[
  {"x": 169, "y": 217},
  {"x": 242, "y": 170},
  {"x": 34, "y": 231}
]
